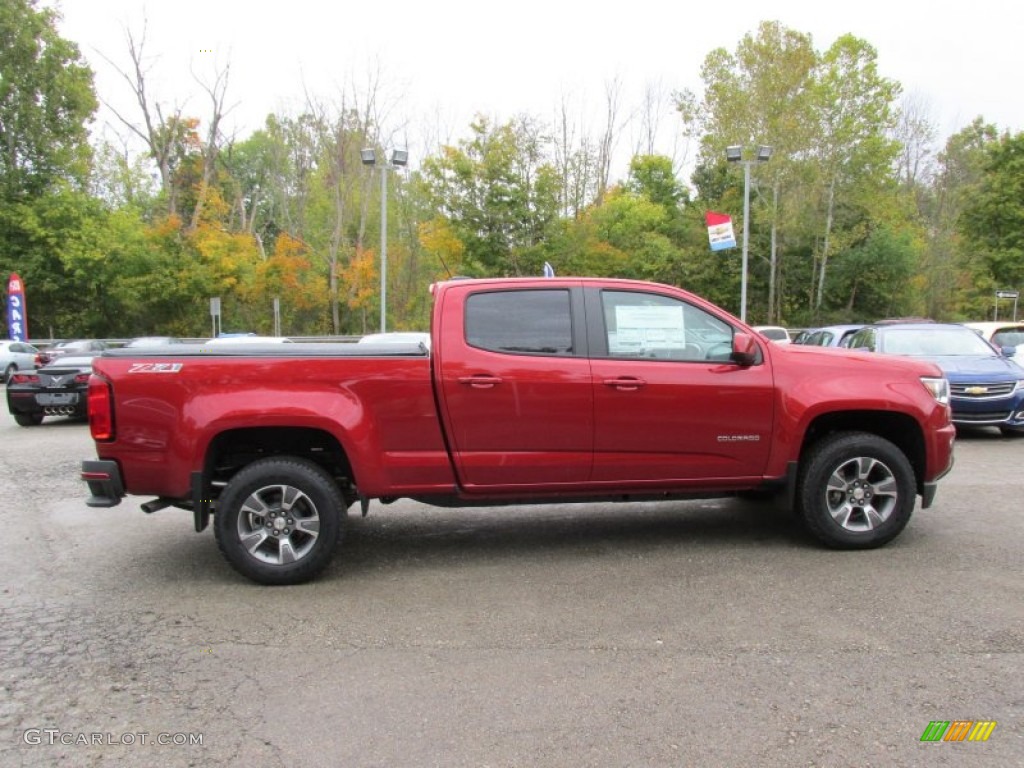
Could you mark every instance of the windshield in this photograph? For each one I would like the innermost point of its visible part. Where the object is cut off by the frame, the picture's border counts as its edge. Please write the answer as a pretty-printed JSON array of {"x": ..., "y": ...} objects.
[{"x": 934, "y": 342}]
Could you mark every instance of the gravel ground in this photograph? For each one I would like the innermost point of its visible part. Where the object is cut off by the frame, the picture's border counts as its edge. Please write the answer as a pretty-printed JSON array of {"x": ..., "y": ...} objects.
[{"x": 671, "y": 634}]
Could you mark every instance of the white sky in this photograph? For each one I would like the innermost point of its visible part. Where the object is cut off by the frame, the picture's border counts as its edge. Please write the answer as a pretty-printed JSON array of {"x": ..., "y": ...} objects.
[{"x": 441, "y": 61}]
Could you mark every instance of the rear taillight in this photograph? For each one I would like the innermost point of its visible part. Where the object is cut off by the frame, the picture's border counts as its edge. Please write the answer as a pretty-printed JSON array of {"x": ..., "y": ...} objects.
[
  {"x": 23, "y": 378},
  {"x": 82, "y": 378},
  {"x": 101, "y": 408}
]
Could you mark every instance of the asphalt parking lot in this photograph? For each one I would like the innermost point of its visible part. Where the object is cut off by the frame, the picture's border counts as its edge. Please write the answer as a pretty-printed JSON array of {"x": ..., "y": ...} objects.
[{"x": 673, "y": 634}]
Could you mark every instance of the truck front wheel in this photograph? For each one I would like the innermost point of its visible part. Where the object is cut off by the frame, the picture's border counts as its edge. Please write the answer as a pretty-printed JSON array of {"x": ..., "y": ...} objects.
[
  {"x": 856, "y": 491},
  {"x": 279, "y": 520}
]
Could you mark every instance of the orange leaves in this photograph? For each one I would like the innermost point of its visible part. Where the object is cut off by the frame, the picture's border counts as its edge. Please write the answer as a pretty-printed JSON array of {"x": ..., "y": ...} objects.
[
  {"x": 360, "y": 276},
  {"x": 288, "y": 274}
]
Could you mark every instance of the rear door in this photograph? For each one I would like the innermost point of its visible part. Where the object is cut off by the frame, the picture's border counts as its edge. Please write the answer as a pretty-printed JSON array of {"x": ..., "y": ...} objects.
[
  {"x": 515, "y": 379},
  {"x": 669, "y": 403}
]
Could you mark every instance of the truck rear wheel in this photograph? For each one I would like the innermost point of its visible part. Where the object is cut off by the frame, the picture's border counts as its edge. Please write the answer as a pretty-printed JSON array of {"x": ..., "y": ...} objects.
[
  {"x": 856, "y": 491},
  {"x": 279, "y": 520}
]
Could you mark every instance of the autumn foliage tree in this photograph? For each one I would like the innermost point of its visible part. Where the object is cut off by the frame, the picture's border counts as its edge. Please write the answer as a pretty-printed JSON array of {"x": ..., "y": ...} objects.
[{"x": 848, "y": 220}]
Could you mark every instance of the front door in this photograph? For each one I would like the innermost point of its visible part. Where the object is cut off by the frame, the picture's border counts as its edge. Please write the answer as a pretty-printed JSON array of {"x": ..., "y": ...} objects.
[{"x": 669, "y": 403}]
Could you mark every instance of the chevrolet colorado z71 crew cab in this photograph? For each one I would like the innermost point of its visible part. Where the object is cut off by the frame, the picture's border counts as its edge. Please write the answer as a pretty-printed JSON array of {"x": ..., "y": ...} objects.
[{"x": 533, "y": 390}]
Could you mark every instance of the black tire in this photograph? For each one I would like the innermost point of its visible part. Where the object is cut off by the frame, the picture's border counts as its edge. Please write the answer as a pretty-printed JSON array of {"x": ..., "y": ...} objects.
[
  {"x": 279, "y": 520},
  {"x": 11, "y": 369},
  {"x": 29, "y": 419},
  {"x": 856, "y": 491}
]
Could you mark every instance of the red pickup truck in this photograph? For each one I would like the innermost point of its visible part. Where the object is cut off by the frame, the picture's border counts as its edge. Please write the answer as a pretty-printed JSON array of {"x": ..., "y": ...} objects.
[{"x": 532, "y": 390}]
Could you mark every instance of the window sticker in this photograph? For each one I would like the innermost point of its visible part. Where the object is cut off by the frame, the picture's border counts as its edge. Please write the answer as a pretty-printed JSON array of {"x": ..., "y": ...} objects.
[{"x": 640, "y": 330}]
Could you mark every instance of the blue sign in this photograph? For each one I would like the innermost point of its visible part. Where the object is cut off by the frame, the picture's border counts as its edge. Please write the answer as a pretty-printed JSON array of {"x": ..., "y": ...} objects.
[{"x": 17, "y": 322}]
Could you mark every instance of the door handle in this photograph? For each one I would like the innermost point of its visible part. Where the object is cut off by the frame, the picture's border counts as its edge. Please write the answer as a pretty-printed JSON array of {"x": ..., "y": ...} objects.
[
  {"x": 480, "y": 380},
  {"x": 625, "y": 383}
]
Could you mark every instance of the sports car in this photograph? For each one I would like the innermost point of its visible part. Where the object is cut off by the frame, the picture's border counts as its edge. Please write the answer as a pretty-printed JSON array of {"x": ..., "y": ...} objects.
[{"x": 56, "y": 389}]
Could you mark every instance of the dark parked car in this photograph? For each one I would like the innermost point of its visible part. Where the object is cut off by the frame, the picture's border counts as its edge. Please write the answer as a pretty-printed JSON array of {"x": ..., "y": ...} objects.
[
  {"x": 56, "y": 389},
  {"x": 78, "y": 347},
  {"x": 986, "y": 387}
]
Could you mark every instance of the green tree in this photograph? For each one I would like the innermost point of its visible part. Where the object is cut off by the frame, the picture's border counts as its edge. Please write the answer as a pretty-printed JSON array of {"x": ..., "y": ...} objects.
[
  {"x": 871, "y": 280},
  {"x": 828, "y": 117},
  {"x": 761, "y": 94},
  {"x": 950, "y": 271},
  {"x": 498, "y": 190},
  {"x": 46, "y": 219},
  {"x": 992, "y": 222},
  {"x": 46, "y": 99},
  {"x": 856, "y": 157}
]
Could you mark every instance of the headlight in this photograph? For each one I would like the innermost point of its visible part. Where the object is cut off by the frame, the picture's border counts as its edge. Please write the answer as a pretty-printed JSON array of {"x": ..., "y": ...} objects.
[{"x": 938, "y": 387}]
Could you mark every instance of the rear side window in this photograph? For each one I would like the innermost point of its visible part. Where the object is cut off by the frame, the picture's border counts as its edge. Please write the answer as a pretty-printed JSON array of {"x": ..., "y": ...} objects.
[
  {"x": 534, "y": 322},
  {"x": 863, "y": 340},
  {"x": 1008, "y": 337}
]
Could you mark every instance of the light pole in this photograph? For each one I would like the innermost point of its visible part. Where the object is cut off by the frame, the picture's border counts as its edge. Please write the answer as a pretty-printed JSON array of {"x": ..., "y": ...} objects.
[
  {"x": 399, "y": 158},
  {"x": 734, "y": 154}
]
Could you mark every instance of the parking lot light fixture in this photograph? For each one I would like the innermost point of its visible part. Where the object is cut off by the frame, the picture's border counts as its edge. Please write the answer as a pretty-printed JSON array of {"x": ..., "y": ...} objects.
[
  {"x": 399, "y": 159},
  {"x": 734, "y": 154}
]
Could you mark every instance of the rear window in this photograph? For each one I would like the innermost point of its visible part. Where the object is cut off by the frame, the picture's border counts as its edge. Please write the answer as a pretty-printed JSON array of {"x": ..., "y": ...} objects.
[
  {"x": 531, "y": 322},
  {"x": 1008, "y": 337}
]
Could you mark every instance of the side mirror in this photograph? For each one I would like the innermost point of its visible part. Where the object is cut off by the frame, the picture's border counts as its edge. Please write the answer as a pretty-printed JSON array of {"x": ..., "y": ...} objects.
[
  {"x": 1008, "y": 351},
  {"x": 744, "y": 349}
]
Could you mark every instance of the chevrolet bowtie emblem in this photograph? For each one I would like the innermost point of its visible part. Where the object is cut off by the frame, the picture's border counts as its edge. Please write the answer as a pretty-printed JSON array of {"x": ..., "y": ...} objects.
[{"x": 975, "y": 390}]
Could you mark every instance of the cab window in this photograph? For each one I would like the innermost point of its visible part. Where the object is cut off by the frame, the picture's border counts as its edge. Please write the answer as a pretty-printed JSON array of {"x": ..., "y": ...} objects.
[{"x": 659, "y": 327}]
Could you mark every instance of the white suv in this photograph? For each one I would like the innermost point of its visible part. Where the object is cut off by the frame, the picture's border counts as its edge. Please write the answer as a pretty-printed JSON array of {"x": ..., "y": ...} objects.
[{"x": 999, "y": 335}]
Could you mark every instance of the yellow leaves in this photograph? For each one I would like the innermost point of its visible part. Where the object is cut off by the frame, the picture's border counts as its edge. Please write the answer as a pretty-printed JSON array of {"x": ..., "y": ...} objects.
[
  {"x": 227, "y": 255},
  {"x": 215, "y": 209},
  {"x": 360, "y": 275},
  {"x": 440, "y": 241}
]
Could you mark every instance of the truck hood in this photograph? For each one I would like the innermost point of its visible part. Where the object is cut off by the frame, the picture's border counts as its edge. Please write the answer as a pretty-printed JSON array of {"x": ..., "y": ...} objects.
[{"x": 840, "y": 357}]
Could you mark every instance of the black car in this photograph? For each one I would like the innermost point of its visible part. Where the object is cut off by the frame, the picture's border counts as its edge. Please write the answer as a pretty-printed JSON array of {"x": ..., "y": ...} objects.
[{"x": 56, "y": 389}]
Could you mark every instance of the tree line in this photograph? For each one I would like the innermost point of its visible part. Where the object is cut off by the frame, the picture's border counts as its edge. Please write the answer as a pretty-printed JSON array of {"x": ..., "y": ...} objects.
[{"x": 856, "y": 216}]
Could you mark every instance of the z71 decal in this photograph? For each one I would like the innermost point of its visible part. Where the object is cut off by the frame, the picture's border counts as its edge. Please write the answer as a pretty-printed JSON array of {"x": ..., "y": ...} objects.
[{"x": 155, "y": 368}]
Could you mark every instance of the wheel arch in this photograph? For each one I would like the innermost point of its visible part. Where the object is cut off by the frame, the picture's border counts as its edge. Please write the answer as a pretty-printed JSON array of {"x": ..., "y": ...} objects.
[
  {"x": 234, "y": 449},
  {"x": 900, "y": 429}
]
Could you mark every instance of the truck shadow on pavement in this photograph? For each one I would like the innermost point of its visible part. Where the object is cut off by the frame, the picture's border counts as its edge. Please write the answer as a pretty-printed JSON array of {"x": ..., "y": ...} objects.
[
  {"x": 409, "y": 535},
  {"x": 419, "y": 535}
]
